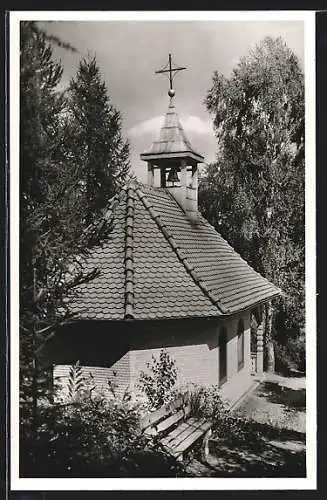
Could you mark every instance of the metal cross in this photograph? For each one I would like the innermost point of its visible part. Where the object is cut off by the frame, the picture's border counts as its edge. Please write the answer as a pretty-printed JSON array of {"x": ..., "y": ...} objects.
[{"x": 172, "y": 71}]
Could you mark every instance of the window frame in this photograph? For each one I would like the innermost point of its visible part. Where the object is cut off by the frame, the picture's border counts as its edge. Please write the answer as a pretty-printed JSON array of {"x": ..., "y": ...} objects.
[
  {"x": 223, "y": 334},
  {"x": 240, "y": 350}
]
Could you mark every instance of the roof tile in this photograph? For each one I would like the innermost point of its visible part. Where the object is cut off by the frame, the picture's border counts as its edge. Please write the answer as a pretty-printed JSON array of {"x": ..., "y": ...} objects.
[{"x": 156, "y": 264}]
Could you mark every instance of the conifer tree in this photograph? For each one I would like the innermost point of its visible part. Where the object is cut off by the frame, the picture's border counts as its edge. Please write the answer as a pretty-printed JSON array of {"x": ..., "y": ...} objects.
[
  {"x": 254, "y": 193},
  {"x": 96, "y": 147},
  {"x": 57, "y": 228}
]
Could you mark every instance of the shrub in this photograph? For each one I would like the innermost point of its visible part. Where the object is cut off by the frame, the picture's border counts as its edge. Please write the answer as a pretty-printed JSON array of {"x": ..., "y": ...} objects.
[
  {"x": 157, "y": 384},
  {"x": 206, "y": 402},
  {"x": 291, "y": 356},
  {"x": 153, "y": 463},
  {"x": 296, "y": 349},
  {"x": 85, "y": 438},
  {"x": 90, "y": 435},
  {"x": 76, "y": 382}
]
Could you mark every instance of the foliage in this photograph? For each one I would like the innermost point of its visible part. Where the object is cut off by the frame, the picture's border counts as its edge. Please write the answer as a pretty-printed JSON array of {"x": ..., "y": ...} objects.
[
  {"x": 296, "y": 347},
  {"x": 91, "y": 435},
  {"x": 76, "y": 381},
  {"x": 38, "y": 30},
  {"x": 40, "y": 107},
  {"x": 254, "y": 194},
  {"x": 57, "y": 230},
  {"x": 291, "y": 356},
  {"x": 154, "y": 463},
  {"x": 228, "y": 425},
  {"x": 158, "y": 383},
  {"x": 55, "y": 233},
  {"x": 85, "y": 438},
  {"x": 206, "y": 402},
  {"x": 94, "y": 141}
]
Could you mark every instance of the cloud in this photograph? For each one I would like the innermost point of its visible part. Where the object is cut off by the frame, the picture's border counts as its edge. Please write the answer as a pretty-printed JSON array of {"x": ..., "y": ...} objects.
[
  {"x": 193, "y": 124},
  {"x": 147, "y": 127},
  {"x": 197, "y": 125}
]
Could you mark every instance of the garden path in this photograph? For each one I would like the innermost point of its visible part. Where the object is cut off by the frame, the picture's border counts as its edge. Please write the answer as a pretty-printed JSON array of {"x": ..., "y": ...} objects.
[
  {"x": 273, "y": 441},
  {"x": 278, "y": 401}
]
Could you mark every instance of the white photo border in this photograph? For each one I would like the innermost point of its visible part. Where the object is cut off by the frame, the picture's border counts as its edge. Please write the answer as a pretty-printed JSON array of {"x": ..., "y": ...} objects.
[{"x": 45, "y": 484}]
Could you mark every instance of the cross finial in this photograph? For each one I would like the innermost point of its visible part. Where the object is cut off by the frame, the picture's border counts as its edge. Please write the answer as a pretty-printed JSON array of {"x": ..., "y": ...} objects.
[{"x": 172, "y": 72}]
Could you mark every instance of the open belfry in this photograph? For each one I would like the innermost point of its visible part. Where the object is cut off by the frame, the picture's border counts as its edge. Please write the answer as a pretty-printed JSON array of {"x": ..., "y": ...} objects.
[
  {"x": 174, "y": 157},
  {"x": 167, "y": 280}
]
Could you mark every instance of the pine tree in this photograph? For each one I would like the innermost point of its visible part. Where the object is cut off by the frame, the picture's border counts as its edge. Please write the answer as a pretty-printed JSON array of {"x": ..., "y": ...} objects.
[
  {"x": 95, "y": 143},
  {"x": 57, "y": 228},
  {"x": 254, "y": 194}
]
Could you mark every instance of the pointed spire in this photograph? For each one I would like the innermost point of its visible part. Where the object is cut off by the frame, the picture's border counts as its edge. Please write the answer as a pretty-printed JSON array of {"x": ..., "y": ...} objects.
[
  {"x": 172, "y": 141},
  {"x": 173, "y": 157}
]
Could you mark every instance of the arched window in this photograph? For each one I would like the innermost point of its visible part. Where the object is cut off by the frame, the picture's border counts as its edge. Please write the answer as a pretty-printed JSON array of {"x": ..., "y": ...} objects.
[
  {"x": 240, "y": 345},
  {"x": 222, "y": 356}
]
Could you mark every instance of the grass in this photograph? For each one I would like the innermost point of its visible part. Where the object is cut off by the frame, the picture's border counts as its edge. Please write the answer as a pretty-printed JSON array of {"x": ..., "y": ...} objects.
[
  {"x": 264, "y": 437},
  {"x": 280, "y": 406},
  {"x": 292, "y": 399}
]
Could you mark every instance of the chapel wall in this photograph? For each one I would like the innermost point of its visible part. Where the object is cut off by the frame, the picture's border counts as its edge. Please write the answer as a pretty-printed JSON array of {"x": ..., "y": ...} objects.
[
  {"x": 193, "y": 344},
  {"x": 195, "y": 350}
]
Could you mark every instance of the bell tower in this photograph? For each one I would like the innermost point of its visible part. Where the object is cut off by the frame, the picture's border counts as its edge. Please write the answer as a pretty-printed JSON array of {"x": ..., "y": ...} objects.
[{"x": 172, "y": 161}]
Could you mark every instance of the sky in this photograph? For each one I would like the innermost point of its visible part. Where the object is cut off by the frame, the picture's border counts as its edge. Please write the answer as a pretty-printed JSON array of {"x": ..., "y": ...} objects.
[{"x": 129, "y": 52}]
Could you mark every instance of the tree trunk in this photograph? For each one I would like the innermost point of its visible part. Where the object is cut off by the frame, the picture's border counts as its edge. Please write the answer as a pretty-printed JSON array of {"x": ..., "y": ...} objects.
[
  {"x": 34, "y": 423},
  {"x": 269, "y": 343}
]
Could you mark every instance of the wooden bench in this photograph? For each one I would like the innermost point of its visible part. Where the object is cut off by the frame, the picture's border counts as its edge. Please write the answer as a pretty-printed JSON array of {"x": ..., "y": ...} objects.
[{"x": 175, "y": 429}]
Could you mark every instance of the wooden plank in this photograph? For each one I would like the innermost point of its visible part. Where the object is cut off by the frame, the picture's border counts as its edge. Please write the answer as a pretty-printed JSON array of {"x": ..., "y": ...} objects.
[
  {"x": 186, "y": 433},
  {"x": 182, "y": 431},
  {"x": 173, "y": 419},
  {"x": 164, "y": 411},
  {"x": 172, "y": 435},
  {"x": 186, "y": 443}
]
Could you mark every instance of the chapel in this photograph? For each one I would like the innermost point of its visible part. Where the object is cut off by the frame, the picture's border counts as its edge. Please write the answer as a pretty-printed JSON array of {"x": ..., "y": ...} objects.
[{"x": 167, "y": 280}]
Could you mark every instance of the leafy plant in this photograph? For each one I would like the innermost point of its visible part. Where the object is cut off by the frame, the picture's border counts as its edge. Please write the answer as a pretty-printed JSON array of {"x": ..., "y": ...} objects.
[
  {"x": 96, "y": 437},
  {"x": 76, "y": 381},
  {"x": 63, "y": 196},
  {"x": 88, "y": 437},
  {"x": 291, "y": 356},
  {"x": 157, "y": 384},
  {"x": 254, "y": 194},
  {"x": 296, "y": 348},
  {"x": 94, "y": 140},
  {"x": 206, "y": 402}
]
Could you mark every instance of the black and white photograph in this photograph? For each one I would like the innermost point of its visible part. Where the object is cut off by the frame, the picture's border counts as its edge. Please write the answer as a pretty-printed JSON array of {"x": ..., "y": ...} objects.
[{"x": 162, "y": 307}]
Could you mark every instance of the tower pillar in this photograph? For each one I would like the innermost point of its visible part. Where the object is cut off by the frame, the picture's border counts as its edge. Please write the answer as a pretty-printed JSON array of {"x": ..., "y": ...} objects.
[
  {"x": 260, "y": 350},
  {"x": 150, "y": 174}
]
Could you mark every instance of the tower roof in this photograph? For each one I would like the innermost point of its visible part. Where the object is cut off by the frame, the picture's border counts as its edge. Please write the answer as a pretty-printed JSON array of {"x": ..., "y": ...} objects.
[{"x": 172, "y": 141}]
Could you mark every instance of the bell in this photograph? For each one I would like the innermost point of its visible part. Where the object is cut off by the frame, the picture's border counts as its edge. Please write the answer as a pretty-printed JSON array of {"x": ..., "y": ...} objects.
[{"x": 172, "y": 176}]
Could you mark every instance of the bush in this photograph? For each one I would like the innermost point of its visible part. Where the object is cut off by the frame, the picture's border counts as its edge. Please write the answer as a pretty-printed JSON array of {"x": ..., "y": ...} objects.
[
  {"x": 206, "y": 402},
  {"x": 90, "y": 435},
  {"x": 92, "y": 438},
  {"x": 291, "y": 356},
  {"x": 84, "y": 438},
  {"x": 157, "y": 385},
  {"x": 153, "y": 463},
  {"x": 296, "y": 349}
]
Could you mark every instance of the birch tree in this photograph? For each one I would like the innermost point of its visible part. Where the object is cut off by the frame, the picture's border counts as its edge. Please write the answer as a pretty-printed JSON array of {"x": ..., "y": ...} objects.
[{"x": 254, "y": 193}]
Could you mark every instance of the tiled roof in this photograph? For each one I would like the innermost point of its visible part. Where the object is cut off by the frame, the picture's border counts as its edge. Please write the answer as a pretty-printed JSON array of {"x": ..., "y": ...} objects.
[
  {"x": 157, "y": 264},
  {"x": 172, "y": 140}
]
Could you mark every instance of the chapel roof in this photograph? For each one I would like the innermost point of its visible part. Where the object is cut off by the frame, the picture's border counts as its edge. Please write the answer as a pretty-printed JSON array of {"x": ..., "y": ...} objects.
[
  {"x": 172, "y": 141},
  {"x": 158, "y": 264}
]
